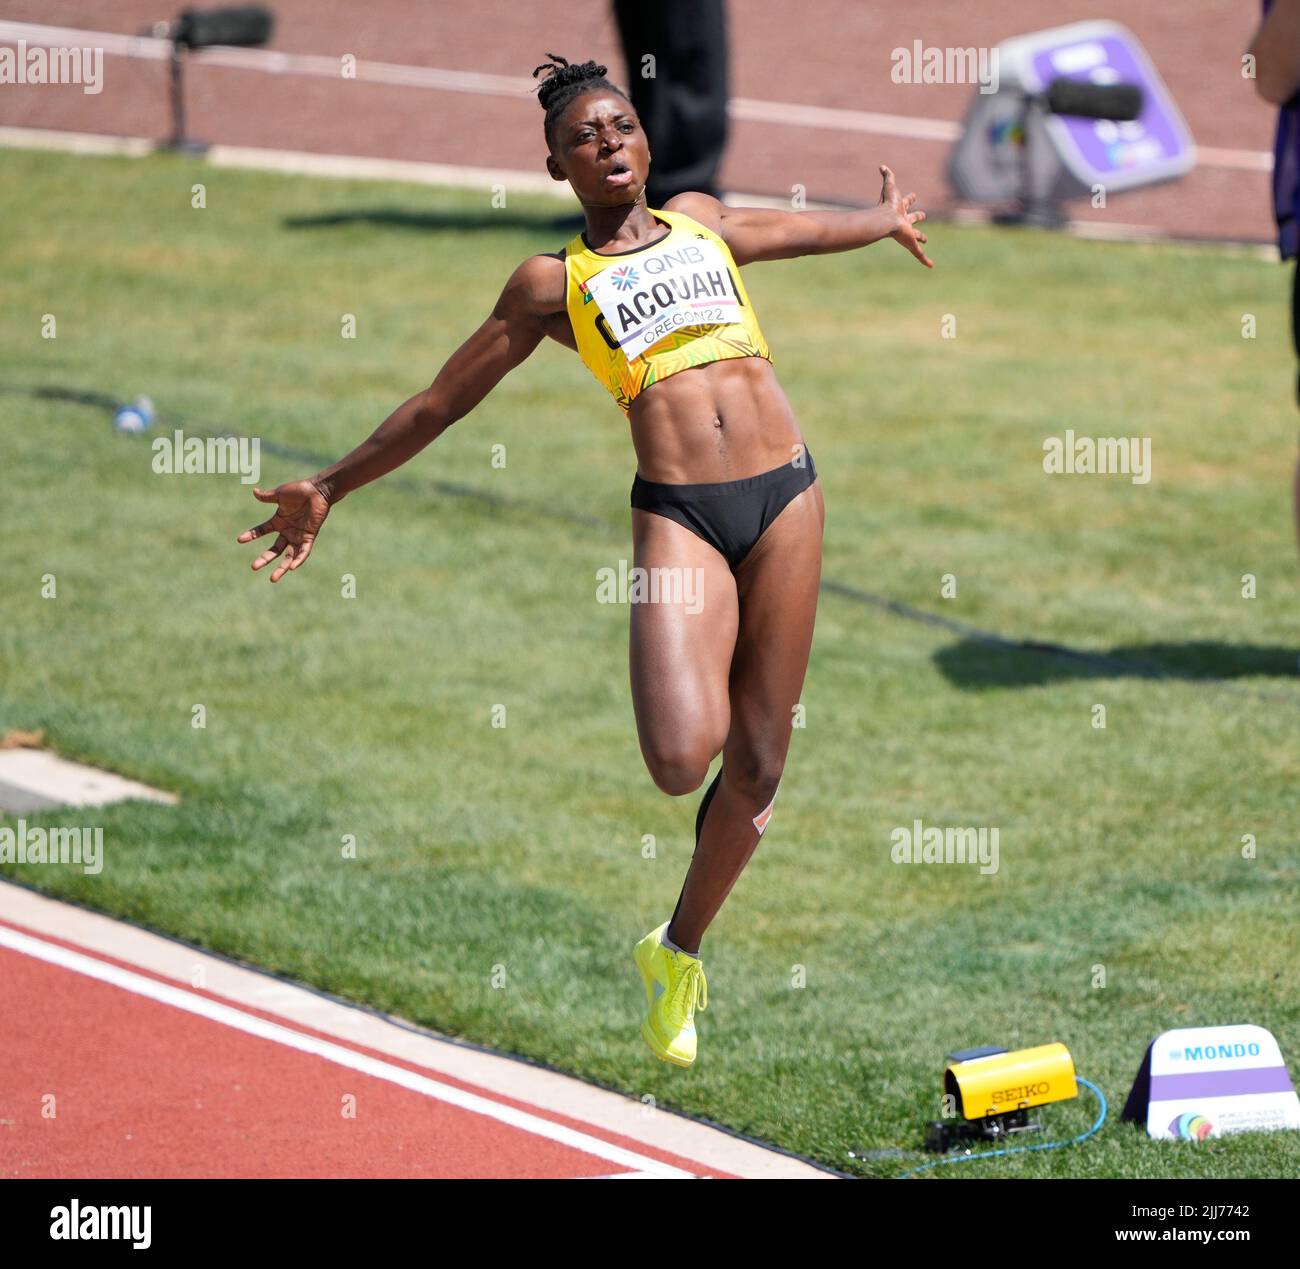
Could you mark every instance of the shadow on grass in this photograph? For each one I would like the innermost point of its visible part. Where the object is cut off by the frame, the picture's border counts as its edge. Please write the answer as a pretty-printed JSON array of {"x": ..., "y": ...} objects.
[
  {"x": 981, "y": 658},
  {"x": 431, "y": 221},
  {"x": 311, "y": 458},
  {"x": 978, "y": 659},
  {"x": 976, "y": 662},
  {"x": 101, "y": 400}
]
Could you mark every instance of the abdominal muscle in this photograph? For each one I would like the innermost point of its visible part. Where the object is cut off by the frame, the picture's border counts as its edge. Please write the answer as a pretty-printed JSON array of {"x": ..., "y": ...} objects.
[{"x": 722, "y": 421}]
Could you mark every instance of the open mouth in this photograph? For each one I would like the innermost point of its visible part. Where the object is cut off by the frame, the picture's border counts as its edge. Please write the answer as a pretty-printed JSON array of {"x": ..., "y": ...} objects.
[{"x": 619, "y": 174}]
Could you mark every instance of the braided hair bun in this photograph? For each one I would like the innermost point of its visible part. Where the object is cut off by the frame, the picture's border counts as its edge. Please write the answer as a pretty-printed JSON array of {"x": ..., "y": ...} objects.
[{"x": 563, "y": 80}]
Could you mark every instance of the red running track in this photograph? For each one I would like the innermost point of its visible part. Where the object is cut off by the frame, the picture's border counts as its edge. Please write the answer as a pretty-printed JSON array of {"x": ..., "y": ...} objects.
[{"x": 100, "y": 1080}]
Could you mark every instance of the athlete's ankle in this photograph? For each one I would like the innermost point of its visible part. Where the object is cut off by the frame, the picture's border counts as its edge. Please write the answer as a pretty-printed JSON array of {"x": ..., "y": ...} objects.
[{"x": 676, "y": 947}]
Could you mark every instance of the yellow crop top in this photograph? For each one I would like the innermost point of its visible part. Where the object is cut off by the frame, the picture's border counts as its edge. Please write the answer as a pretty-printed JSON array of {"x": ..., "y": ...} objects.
[{"x": 639, "y": 316}]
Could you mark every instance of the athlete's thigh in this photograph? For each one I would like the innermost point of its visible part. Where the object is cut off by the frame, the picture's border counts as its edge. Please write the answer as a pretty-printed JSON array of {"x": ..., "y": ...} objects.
[
  {"x": 778, "y": 585},
  {"x": 681, "y": 650}
]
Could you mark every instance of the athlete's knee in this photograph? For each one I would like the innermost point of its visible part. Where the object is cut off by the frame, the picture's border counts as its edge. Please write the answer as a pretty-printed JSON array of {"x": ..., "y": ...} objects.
[
  {"x": 755, "y": 776},
  {"x": 679, "y": 779},
  {"x": 677, "y": 771}
]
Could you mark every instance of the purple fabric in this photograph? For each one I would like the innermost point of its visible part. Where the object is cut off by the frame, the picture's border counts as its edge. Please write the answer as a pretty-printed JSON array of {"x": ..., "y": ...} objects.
[
  {"x": 1257, "y": 1079},
  {"x": 1286, "y": 175}
]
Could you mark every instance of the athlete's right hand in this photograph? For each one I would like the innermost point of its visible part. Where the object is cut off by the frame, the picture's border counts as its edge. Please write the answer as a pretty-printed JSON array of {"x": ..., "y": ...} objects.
[
  {"x": 906, "y": 235},
  {"x": 300, "y": 511}
]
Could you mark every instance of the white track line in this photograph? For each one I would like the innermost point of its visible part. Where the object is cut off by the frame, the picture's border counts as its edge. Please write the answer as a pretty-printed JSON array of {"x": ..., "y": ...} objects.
[
  {"x": 250, "y": 1024},
  {"x": 362, "y": 168},
  {"x": 348, "y": 167},
  {"x": 355, "y": 167},
  {"x": 790, "y": 114},
  {"x": 623, "y": 1116},
  {"x": 1240, "y": 160},
  {"x": 98, "y": 143},
  {"x": 834, "y": 119}
]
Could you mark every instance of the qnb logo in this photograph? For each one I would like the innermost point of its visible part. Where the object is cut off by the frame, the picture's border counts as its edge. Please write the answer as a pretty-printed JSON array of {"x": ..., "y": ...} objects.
[
  {"x": 1209, "y": 1052},
  {"x": 1021, "y": 1094},
  {"x": 119, "y": 1224},
  {"x": 626, "y": 278}
]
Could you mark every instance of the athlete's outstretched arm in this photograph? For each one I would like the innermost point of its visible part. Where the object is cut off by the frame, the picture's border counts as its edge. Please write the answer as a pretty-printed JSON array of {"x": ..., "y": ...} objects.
[
  {"x": 510, "y": 333},
  {"x": 756, "y": 234}
]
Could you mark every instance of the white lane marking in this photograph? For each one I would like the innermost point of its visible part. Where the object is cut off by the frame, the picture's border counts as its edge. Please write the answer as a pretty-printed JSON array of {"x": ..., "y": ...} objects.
[
  {"x": 350, "y": 167},
  {"x": 627, "y": 1176},
  {"x": 743, "y": 108},
  {"x": 76, "y": 142},
  {"x": 337, "y": 1053},
  {"x": 835, "y": 119},
  {"x": 72, "y": 783},
  {"x": 1242, "y": 160},
  {"x": 338, "y": 166}
]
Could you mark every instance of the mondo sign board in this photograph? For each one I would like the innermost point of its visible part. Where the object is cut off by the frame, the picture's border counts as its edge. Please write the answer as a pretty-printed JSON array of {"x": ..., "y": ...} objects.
[
  {"x": 1001, "y": 135},
  {"x": 1153, "y": 147},
  {"x": 1201, "y": 1082}
]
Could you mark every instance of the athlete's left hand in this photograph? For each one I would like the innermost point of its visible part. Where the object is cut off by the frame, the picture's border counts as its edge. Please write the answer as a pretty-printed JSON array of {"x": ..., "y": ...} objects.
[
  {"x": 906, "y": 234},
  {"x": 300, "y": 510}
]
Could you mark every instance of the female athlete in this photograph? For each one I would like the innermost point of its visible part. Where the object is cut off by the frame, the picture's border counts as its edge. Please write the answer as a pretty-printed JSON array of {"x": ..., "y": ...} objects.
[{"x": 725, "y": 492}]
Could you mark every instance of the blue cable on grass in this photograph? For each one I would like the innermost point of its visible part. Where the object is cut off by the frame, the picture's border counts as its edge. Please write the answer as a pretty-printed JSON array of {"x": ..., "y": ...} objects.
[{"x": 1047, "y": 1145}]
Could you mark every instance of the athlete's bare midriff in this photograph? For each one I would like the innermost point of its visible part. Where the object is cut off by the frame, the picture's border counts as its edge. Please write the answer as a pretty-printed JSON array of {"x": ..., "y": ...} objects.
[{"x": 721, "y": 421}]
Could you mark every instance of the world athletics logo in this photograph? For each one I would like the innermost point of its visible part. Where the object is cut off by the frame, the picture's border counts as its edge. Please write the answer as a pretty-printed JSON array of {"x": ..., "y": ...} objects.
[
  {"x": 625, "y": 278},
  {"x": 1190, "y": 1127}
]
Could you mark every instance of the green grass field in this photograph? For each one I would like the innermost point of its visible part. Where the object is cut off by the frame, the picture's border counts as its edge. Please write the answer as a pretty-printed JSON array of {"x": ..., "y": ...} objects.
[{"x": 521, "y": 846}]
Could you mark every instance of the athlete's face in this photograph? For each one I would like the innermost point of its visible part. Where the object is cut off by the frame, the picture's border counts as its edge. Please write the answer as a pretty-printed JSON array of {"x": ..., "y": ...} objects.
[{"x": 601, "y": 150}]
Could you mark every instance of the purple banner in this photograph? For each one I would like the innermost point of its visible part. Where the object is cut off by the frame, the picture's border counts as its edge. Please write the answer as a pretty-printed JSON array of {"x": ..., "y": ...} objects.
[
  {"x": 1110, "y": 147},
  {"x": 1251, "y": 1079}
]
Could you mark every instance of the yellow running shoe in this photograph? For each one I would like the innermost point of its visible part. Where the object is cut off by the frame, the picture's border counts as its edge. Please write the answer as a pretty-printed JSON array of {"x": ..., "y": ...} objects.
[{"x": 674, "y": 988}]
